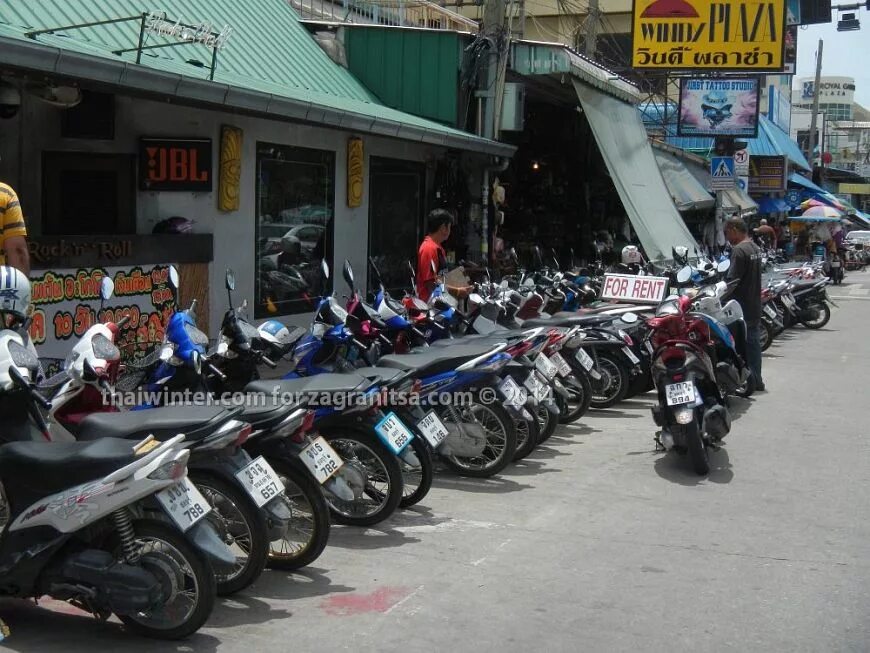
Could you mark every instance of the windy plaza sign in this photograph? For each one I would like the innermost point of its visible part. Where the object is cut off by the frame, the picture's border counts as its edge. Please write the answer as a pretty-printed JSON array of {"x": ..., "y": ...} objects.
[{"x": 719, "y": 35}]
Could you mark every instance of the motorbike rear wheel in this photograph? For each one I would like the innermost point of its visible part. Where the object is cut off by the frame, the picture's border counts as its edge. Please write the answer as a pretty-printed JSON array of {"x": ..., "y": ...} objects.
[
  {"x": 821, "y": 320},
  {"x": 613, "y": 385},
  {"x": 697, "y": 448},
  {"x": 766, "y": 335},
  {"x": 501, "y": 439},
  {"x": 528, "y": 435},
  {"x": 416, "y": 483},
  {"x": 547, "y": 423},
  {"x": 573, "y": 408}
]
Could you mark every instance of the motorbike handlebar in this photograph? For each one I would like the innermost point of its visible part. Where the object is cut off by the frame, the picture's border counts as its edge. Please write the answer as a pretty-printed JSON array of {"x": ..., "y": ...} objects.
[{"x": 23, "y": 384}]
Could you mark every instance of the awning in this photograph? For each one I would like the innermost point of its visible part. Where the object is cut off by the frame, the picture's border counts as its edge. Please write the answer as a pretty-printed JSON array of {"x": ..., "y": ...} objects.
[
  {"x": 861, "y": 217},
  {"x": 802, "y": 182},
  {"x": 773, "y": 205},
  {"x": 686, "y": 191},
  {"x": 623, "y": 143},
  {"x": 736, "y": 199}
]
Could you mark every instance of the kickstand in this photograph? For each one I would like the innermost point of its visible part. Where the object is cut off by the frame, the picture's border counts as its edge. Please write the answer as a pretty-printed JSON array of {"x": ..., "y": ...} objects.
[{"x": 659, "y": 445}]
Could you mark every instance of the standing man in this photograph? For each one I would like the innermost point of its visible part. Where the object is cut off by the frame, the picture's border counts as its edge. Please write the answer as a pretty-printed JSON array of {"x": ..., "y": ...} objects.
[
  {"x": 13, "y": 233},
  {"x": 438, "y": 227},
  {"x": 766, "y": 233},
  {"x": 744, "y": 285}
]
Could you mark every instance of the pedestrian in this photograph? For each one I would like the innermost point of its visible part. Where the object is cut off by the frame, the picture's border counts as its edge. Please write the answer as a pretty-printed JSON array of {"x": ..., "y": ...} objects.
[
  {"x": 766, "y": 234},
  {"x": 431, "y": 251},
  {"x": 744, "y": 285},
  {"x": 13, "y": 232}
]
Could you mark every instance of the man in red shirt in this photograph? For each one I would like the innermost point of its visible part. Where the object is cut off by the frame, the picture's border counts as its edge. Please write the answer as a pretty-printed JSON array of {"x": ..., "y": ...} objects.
[{"x": 438, "y": 230}]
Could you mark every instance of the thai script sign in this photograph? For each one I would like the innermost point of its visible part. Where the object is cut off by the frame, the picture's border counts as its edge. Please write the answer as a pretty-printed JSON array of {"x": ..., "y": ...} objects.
[
  {"x": 767, "y": 174},
  {"x": 204, "y": 33},
  {"x": 708, "y": 34},
  {"x": 66, "y": 303},
  {"x": 718, "y": 107}
]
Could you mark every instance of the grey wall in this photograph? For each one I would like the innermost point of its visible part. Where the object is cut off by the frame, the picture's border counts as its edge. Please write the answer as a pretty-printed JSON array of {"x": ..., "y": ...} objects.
[{"x": 37, "y": 128}]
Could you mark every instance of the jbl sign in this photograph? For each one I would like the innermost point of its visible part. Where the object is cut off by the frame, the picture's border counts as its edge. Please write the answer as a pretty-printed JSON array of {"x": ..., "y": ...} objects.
[{"x": 175, "y": 164}]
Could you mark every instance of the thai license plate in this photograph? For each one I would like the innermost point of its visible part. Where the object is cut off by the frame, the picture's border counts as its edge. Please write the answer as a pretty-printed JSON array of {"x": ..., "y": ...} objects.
[
  {"x": 394, "y": 433},
  {"x": 680, "y": 393},
  {"x": 433, "y": 429},
  {"x": 545, "y": 366},
  {"x": 788, "y": 301},
  {"x": 260, "y": 481},
  {"x": 514, "y": 395},
  {"x": 536, "y": 385},
  {"x": 321, "y": 460},
  {"x": 770, "y": 311},
  {"x": 631, "y": 355},
  {"x": 184, "y": 503},
  {"x": 584, "y": 359},
  {"x": 561, "y": 364}
]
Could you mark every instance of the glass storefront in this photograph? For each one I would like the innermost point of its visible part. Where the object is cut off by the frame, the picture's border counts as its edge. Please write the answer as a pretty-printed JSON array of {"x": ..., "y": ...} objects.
[{"x": 295, "y": 209}]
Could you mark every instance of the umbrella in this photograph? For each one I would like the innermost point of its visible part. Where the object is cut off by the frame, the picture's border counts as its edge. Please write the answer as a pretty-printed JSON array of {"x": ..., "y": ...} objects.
[
  {"x": 823, "y": 200},
  {"x": 811, "y": 218},
  {"x": 822, "y": 212}
]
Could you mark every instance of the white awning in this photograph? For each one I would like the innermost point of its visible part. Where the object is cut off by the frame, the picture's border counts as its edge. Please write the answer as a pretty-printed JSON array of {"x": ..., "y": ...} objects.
[
  {"x": 685, "y": 189},
  {"x": 622, "y": 139}
]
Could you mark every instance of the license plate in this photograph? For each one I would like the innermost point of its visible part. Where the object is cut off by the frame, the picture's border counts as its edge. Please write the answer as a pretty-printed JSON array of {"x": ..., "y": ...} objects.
[
  {"x": 545, "y": 366},
  {"x": 536, "y": 385},
  {"x": 631, "y": 355},
  {"x": 321, "y": 460},
  {"x": 770, "y": 311},
  {"x": 184, "y": 503},
  {"x": 433, "y": 429},
  {"x": 514, "y": 395},
  {"x": 394, "y": 433},
  {"x": 680, "y": 393},
  {"x": 584, "y": 359},
  {"x": 261, "y": 481},
  {"x": 561, "y": 364},
  {"x": 788, "y": 301}
]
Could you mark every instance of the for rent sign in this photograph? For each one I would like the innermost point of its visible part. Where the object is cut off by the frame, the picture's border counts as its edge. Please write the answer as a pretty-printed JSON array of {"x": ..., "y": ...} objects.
[
  {"x": 634, "y": 289},
  {"x": 708, "y": 34}
]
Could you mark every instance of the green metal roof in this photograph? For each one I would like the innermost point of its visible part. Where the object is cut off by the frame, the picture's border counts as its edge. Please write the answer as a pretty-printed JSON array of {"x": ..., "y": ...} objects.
[{"x": 270, "y": 63}]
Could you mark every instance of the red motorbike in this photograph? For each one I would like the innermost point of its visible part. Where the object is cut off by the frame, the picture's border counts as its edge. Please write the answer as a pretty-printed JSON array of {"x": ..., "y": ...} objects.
[{"x": 691, "y": 408}]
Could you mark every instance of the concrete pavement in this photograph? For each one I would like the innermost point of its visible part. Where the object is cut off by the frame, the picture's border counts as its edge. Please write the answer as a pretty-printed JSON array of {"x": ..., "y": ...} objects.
[{"x": 595, "y": 542}]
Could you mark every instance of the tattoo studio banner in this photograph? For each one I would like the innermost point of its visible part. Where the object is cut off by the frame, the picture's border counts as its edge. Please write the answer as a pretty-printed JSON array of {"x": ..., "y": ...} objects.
[
  {"x": 718, "y": 107},
  {"x": 66, "y": 303}
]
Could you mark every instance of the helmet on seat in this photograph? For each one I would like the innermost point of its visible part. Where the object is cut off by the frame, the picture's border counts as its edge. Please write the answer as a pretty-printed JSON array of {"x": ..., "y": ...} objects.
[
  {"x": 680, "y": 254},
  {"x": 14, "y": 297},
  {"x": 631, "y": 254}
]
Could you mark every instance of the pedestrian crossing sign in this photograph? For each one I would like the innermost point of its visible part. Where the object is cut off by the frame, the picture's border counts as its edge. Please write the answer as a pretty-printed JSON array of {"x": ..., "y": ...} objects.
[{"x": 722, "y": 171}]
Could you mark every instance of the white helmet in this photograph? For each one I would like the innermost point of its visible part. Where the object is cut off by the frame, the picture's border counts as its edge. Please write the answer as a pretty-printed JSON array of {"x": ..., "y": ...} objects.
[
  {"x": 630, "y": 254},
  {"x": 274, "y": 332},
  {"x": 14, "y": 294}
]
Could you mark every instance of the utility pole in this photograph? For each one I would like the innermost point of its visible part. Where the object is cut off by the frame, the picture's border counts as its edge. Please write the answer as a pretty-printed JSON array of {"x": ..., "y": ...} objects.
[
  {"x": 591, "y": 29},
  {"x": 814, "y": 117},
  {"x": 490, "y": 96}
]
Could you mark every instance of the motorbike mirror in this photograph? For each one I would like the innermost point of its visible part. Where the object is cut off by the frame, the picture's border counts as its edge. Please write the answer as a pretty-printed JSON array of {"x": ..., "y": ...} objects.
[
  {"x": 107, "y": 288},
  {"x": 230, "y": 280},
  {"x": 629, "y": 318},
  {"x": 348, "y": 274},
  {"x": 684, "y": 274},
  {"x": 724, "y": 265},
  {"x": 474, "y": 298},
  {"x": 324, "y": 267}
]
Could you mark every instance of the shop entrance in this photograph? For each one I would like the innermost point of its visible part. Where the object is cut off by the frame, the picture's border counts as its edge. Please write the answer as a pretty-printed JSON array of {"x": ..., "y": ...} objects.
[{"x": 396, "y": 206}]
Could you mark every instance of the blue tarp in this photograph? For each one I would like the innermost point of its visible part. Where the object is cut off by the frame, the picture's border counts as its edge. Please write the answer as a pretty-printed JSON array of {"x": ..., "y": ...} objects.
[
  {"x": 773, "y": 205},
  {"x": 803, "y": 182}
]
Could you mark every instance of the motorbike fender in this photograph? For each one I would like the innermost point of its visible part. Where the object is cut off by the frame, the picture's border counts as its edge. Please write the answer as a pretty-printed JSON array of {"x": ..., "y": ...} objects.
[
  {"x": 205, "y": 538},
  {"x": 409, "y": 457},
  {"x": 278, "y": 516},
  {"x": 551, "y": 406},
  {"x": 560, "y": 389}
]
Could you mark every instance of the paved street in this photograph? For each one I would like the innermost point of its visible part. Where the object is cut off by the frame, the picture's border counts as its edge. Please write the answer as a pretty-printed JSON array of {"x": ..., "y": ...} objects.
[{"x": 596, "y": 542}]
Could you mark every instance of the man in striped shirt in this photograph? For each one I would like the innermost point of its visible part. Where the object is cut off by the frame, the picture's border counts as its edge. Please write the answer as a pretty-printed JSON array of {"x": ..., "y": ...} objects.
[{"x": 13, "y": 233}]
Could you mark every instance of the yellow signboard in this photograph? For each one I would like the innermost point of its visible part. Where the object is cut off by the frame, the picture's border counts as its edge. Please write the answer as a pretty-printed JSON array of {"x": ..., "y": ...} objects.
[
  {"x": 708, "y": 34},
  {"x": 855, "y": 189}
]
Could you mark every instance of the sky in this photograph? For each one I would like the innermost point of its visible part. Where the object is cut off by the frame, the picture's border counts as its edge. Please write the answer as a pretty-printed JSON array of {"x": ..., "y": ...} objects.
[{"x": 844, "y": 53}]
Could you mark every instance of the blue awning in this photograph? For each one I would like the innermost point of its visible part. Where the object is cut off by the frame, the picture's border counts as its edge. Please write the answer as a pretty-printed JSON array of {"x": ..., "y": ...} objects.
[
  {"x": 803, "y": 182},
  {"x": 771, "y": 141},
  {"x": 773, "y": 205},
  {"x": 862, "y": 217}
]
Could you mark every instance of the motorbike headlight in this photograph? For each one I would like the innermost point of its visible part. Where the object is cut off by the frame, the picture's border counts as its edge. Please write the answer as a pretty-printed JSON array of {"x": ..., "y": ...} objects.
[
  {"x": 22, "y": 357},
  {"x": 196, "y": 336},
  {"x": 105, "y": 348}
]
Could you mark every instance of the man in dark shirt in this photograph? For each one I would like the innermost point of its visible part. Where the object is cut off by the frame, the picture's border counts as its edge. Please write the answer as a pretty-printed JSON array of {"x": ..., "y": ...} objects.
[{"x": 744, "y": 285}]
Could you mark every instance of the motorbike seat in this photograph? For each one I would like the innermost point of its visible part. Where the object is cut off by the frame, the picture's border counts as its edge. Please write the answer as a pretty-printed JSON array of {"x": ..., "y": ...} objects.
[
  {"x": 44, "y": 468},
  {"x": 286, "y": 388},
  {"x": 196, "y": 422},
  {"x": 481, "y": 339},
  {"x": 436, "y": 360},
  {"x": 378, "y": 374}
]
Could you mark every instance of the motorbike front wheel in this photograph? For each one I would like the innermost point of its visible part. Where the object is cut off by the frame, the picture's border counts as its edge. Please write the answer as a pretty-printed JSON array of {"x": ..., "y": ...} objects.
[
  {"x": 185, "y": 575},
  {"x": 822, "y": 319}
]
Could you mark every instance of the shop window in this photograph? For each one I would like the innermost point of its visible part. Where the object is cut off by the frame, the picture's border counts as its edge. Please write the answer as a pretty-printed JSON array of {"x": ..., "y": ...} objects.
[
  {"x": 294, "y": 230},
  {"x": 86, "y": 193},
  {"x": 395, "y": 220},
  {"x": 92, "y": 118}
]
